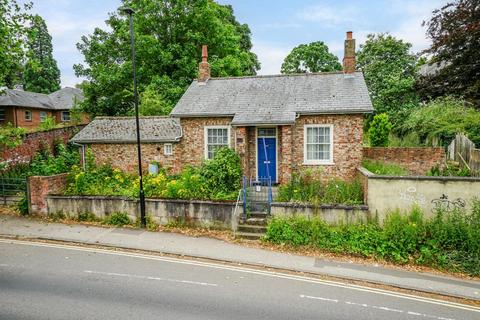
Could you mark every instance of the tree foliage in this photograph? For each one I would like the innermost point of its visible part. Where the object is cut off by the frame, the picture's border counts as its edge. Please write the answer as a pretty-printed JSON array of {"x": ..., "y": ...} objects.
[
  {"x": 442, "y": 118},
  {"x": 389, "y": 69},
  {"x": 41, "y": 71},
  {"x": 455, "y": 33},
  {"x": 12, "y": 38},
  {"x": 312, "y": 57},
  {"x": 169, "y": 35}
]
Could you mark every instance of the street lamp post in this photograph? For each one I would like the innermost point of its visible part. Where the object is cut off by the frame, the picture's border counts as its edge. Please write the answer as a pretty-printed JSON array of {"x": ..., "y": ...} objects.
[{"x": 130, "y": 12}]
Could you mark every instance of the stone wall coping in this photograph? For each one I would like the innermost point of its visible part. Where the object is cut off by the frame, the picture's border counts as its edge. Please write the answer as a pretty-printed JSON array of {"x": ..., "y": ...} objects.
[
  {"x": 322, "y": 206},
  {"x": 229, "y": 203},
  {"x": 52, "y": 176},
  {"x": 371, "y": 175},
  {"x": 405, "y": 148}
]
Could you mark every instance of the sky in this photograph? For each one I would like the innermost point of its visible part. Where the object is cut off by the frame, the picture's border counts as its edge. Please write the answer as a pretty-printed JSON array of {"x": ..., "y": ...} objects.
[{"x": 277, "y": 25}]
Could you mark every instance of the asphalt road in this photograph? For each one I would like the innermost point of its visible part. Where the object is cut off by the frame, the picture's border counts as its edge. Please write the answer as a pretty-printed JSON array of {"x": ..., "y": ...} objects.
[{"x": 42, "y": 281}]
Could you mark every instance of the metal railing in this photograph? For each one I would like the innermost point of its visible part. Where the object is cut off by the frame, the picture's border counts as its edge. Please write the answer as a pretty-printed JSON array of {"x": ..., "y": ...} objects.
[
  {"x": 11, "y": 189},
  {"x": 257, "y": 195}
]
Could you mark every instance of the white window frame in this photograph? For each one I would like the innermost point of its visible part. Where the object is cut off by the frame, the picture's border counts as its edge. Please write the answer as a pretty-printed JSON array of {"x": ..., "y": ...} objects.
[
  {"x": 62, "y": 117},
  {"x": 30, "y": 115},
  {"x": 168, "y": 149},
  {"x": 44, "y": 118},
  {"x": 205, "y": 138},
  {"x": 317, "y": 161}
]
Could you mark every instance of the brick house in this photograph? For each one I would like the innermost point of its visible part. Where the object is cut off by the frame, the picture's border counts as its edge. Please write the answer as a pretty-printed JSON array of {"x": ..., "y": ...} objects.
[
  {"x": 28, "y": 109},
  {"x": 278, "y": 124}
]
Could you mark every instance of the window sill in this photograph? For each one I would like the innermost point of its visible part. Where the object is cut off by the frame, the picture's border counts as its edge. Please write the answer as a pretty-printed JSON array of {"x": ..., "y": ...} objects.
[{"x": 329, "y": 163}]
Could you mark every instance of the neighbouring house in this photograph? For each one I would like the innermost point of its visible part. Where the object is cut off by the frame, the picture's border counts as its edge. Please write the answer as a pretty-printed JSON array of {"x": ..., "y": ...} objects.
[
  {"x": 28, "y": 109},
  {"x": 278, "y": 124}
]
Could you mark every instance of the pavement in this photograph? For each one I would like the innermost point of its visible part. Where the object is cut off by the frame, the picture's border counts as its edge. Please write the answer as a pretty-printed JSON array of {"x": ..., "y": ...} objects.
[{"x": 208, "y": 248}]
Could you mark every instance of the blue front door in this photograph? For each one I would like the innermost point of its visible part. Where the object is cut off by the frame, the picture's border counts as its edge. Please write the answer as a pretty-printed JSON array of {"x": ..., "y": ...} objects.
[{"x": 267, "y": 158}]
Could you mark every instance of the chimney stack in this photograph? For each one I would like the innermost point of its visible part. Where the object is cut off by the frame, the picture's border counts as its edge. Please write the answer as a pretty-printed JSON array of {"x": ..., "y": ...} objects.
[
  {"x": 349, "y": 57},
  {"x": 204, "y": 67}
]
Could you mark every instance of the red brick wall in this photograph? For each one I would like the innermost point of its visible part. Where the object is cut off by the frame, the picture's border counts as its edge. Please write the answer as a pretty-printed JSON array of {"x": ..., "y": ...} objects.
[
  {"x": 35, "y": 141},
  {"x": 124, "y": 156},
  {"x": 347, "y": 145},
  {"x": 416, "y": 160},
  {"x": 40, "y": 187},
  {"x": 32, "y": 124}
]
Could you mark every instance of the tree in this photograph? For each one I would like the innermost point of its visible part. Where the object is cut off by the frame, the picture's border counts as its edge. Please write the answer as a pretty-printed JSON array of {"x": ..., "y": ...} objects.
[
  {"x": 380, "y": 130},
  {"x": 455, "y": 33},
  {"x": 312, "y": 57},
  {"x": 13, "y": 17},
  {"x": 41, "y": 71},
  {"x": 169, "y": 35},
  {"x": 390, "y": 70}
]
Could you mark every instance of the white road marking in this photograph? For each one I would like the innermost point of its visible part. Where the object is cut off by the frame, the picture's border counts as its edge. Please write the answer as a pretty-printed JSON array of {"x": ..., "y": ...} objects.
[
  {"x": 317, "y": 298},
  {"x": 250, "y": 271},
  {"x": 3, "y": 265},
  {"x": 136, "y": 276},
  {"x": 364, "y": 305}
]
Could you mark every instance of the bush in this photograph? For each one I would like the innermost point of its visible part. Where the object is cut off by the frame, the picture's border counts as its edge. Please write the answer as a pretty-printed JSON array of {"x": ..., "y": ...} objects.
[
  {"x": 11, "y": 137},
  {"x": 47, "y": 124},
  {"x": 451, "y": 169},
  {"x": 384, "y": 169},
  {"x": 87, "y": 217},
  {"x": 117, "y": 219},
  {"x": 379, "y": 130},
  {"x": 450, "y": 240},
  {"x": 217, "y": 179},
  {"x": 308, "y": 186}
]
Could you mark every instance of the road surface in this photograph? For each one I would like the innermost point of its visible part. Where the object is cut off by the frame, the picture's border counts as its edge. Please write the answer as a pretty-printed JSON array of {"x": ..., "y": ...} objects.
[{"x": 49, "y": 281}]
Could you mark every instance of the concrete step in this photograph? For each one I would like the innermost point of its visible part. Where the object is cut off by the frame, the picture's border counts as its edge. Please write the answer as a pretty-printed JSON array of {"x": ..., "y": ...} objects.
[
  {"x": 254, "y": 222},
  {"x": 257, "y": 214},
  {"x": 249, "y": 235},
  {"x": 248, "y": 228}
]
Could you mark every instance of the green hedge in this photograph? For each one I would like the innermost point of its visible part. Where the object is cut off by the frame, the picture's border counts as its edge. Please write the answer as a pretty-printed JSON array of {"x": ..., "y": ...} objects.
[{"x": 449, "y": 241}]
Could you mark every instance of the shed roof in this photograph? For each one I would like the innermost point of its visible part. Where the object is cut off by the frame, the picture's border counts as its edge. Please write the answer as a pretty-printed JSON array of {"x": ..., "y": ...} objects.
[
  {"x": 275, "y": 99},
  {"x": 62, "y": 99},
  {"x": 123, "y": 130}
]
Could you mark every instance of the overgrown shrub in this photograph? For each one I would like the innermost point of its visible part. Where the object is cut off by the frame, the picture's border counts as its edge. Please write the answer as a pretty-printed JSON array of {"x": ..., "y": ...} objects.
[
  {"x": 87, "y": 217},
  {"x": 308, "y": 186},
  {"x": 450, "y": 169},
  {"x": 117, "y": 219},
  {"x": 217, "y": 179},
  {"x": 384, "y": 168},
  {"x": 441, "y": 119},
  {"x": 379, "y": 130},
  {"x": 10, "y": 136},
  {"x": 47, "y": 124},
  {"x": 449, "y": 240}
]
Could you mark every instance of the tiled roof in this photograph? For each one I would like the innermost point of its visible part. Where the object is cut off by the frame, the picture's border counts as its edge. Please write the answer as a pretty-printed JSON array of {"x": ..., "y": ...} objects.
[
  {"x": 123, "y": 130},
  {"x": 275, "y": 99},
  {"x": 62, "y": 99}
]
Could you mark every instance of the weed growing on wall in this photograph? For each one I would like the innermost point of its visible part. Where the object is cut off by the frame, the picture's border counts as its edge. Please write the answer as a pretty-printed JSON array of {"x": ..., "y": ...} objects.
[
  {"x": 449, "y": 240},
  {"x": 117, "y": 219},
  {"x": 309, "y": 187}
]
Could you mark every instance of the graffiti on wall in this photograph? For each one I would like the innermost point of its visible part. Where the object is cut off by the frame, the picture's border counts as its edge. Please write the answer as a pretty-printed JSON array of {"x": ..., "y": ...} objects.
[
  {"x": 411, "y": 195},
  {"x": 445, "y": 204}
]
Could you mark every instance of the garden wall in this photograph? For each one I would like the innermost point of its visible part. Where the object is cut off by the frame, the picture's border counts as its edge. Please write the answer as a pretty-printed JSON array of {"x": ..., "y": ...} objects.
[
  {"x": 386, "y": 193},
  {"x": 36, "y": 141},
  {"x": 40, "y": 187},
  {"x": 162, "y": 210},
  {"x": 416, "y": 160},
  {"x": 330, "y": 214}
]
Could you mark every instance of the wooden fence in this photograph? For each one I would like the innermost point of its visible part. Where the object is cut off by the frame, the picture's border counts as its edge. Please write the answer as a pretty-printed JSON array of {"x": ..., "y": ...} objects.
[{"x": 463, "y": 151}]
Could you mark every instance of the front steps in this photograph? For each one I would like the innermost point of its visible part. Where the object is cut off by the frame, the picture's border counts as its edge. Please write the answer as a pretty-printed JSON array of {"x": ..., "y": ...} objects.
[{"x": 254, "y": 227}]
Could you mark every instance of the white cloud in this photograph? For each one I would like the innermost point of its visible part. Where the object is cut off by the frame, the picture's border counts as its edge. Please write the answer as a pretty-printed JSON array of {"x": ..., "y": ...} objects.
[
  {"x": 328, "y": 15},
  {"x": 271, "y": 56},
  {"x": 411, "y": 29}
]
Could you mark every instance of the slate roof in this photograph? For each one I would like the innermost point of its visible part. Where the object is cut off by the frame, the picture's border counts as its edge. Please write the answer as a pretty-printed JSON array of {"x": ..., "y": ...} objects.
[
  {"x": 62, "y": 99},
  {"x": 123, "y": 130},
  {"x": 275, "y": 99}
]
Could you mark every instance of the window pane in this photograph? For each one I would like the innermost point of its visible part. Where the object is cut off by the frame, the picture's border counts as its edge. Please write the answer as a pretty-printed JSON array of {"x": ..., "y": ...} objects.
[{"x": 318, "y": 144}]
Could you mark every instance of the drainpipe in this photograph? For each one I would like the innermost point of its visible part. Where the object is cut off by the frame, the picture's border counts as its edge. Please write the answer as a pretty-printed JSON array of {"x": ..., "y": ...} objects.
[{"x": 83, "y": 153}]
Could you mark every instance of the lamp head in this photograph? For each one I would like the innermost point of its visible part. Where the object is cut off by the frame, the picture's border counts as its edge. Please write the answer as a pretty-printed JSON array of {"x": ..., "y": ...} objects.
[{"x": 126, "y": 10}]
